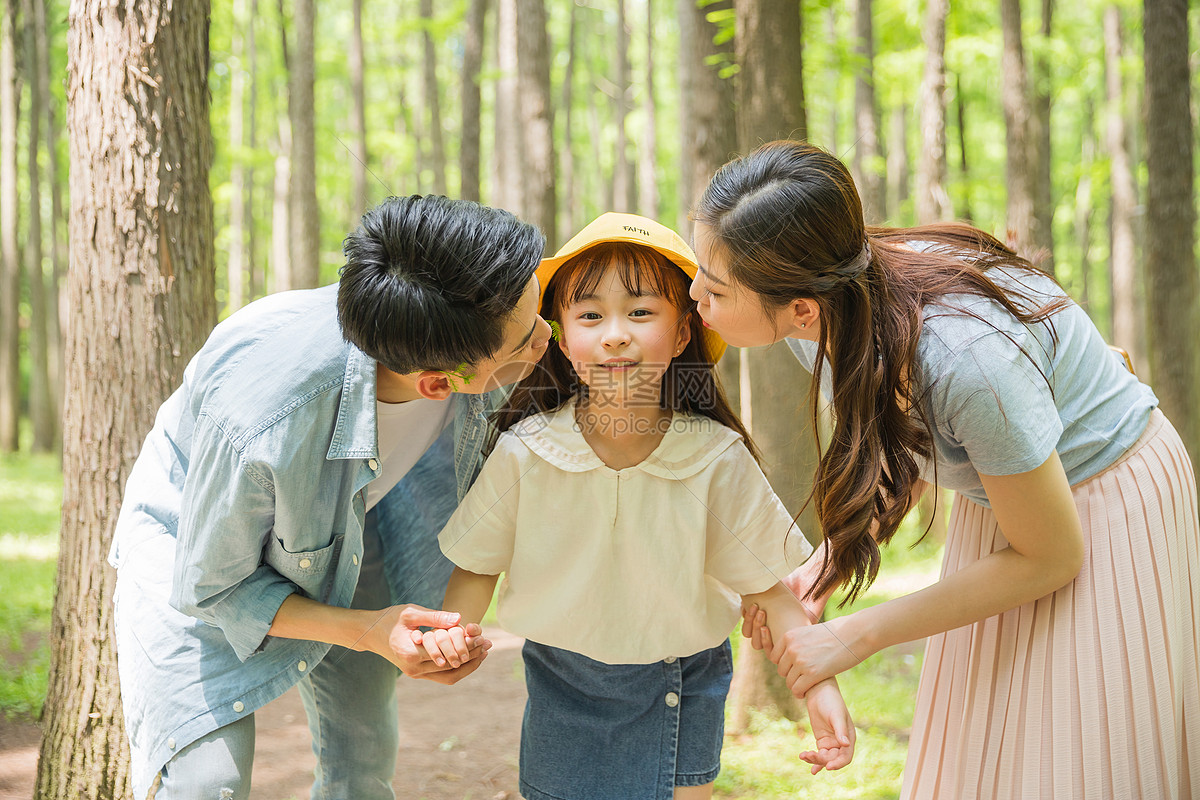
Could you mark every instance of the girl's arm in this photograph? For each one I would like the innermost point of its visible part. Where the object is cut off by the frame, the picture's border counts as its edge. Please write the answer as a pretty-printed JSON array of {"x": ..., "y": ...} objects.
[
  {"x": 469, "y": 594},
  {"x": 1037, "y": 514}
]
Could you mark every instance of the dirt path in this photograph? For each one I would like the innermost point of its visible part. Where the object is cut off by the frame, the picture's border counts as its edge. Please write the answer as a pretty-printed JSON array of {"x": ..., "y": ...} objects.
[{"x": 456, "y": 743}]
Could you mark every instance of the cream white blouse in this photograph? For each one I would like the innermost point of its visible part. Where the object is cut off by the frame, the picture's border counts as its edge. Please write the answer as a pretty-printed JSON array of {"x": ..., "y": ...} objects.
[{"x": 624, "y": 566}]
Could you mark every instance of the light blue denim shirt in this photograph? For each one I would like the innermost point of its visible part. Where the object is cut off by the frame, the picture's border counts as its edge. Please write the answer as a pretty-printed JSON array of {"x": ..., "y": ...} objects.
[{"x": 250, "y": 488}]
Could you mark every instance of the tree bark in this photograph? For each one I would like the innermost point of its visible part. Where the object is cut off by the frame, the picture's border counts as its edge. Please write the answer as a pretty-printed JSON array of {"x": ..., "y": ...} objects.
[
  {"x": 648, "y": 143},
  {"x": 1083, "y": 208},
  {"x": 281, "y": 206},
  {"x": 624, "y": 179},
  {"x": 238, "y": 218},
  {"x": 1127, "y": 325},
  {"x": 770, "y": 97},
  {"x": 358, "y": 116},
  {"x": 435, "y": 137},
  {"x": 1040, "y": 145},
  {"x": 58, "y": 256},
  {"x": 933, "y": 202},
  {"x": 304, "y": 217},
  {"x": 567, "y": 218},
  {"x": 471, "y": 102},
  {"x": 1020, "y": 156},
  {"x": 537, "y": 117},
  {"x": 509, "y": 147},
  {"x": 10, "y": 259},
  {"x": 706, "y": 105},
  {"x": 1173, "y": 286},
  {"x": 41, "y": 396},
  {"x": 867, "y": 157},
  {"x": 141, "y": 286}
]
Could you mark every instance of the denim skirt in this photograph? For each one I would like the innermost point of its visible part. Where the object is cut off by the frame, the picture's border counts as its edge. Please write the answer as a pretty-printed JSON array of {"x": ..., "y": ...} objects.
[{"x": 596, "y": 731}]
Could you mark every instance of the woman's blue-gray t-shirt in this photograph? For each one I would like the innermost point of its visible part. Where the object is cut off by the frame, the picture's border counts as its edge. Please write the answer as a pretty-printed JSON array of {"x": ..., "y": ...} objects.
[{"x": 1002, "y": 395}]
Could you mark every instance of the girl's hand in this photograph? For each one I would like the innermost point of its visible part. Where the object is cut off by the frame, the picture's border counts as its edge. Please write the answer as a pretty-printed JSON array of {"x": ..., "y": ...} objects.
[
  {"x": 754, "y": 628},
  {"x": 809, "y": 654},
  {"x": 832, "y": 728},
  {"x": 446, "y": 645}
]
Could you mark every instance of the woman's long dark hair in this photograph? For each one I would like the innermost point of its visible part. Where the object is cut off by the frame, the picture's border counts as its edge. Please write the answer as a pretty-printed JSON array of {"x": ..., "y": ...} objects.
[
  {"x": 788, "y": 221},
  {"x": 690, "y": 384}
]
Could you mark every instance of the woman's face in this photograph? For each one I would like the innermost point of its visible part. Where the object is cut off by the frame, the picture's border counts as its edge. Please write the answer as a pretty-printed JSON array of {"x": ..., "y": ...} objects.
[{"x": 734, "y": 311}]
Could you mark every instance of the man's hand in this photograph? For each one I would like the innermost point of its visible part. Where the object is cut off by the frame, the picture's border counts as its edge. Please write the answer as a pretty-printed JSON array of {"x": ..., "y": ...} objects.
[{"x": 396, "y": 636}]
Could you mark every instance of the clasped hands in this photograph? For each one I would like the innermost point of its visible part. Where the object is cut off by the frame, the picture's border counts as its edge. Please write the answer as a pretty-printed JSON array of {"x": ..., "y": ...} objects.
[{"x": 445, "y": 654}]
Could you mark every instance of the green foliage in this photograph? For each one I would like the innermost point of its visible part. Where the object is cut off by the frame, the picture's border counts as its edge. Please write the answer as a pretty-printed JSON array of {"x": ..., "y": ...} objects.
[{"x": 31, "y": 496}]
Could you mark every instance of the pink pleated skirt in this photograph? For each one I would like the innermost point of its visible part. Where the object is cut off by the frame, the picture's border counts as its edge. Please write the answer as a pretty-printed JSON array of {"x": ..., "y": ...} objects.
[{"x": 1092, "y": 692}]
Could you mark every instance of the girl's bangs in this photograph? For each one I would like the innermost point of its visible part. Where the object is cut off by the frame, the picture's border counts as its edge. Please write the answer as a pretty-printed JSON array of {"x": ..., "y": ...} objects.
[{"x": 642, "y": 272}]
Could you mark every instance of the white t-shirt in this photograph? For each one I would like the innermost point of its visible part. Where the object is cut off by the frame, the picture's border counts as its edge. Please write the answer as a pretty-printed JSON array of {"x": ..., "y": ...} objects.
[
  {"x": 406, "y": 430},
  {"x": 623, "y": 566}
]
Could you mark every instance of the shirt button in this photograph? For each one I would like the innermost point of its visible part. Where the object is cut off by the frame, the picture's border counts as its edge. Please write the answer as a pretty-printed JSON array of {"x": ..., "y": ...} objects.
[
  {"x": 669, "y": 660},
  {"x": 239, "y": 706},
  {"x": 374, "y": 465},
  {"x": 171, "y": 743},
  {"x": 305, "y": 563},
  {"x": 302, "y": 665},
  {"x": 354, "y": 559},
  {"x": 672, "y": 699}
]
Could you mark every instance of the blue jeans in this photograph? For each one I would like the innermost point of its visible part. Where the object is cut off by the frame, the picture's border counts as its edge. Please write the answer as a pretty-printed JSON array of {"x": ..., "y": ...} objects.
[{"x": 349, "y": 697}]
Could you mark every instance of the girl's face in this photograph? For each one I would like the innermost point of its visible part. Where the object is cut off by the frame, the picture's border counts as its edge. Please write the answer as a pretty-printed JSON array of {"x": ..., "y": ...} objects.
[
  {"x": 621, "y": 344},
  {"x": 736, "y": 312}
]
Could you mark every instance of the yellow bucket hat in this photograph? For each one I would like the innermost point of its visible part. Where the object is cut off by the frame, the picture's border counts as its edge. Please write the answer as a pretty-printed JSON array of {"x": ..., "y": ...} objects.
[{"x": 631, "y": 229}]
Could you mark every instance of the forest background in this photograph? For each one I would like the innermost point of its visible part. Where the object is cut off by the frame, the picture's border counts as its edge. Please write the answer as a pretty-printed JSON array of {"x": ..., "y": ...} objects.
[{"x": 210, "y": 154}]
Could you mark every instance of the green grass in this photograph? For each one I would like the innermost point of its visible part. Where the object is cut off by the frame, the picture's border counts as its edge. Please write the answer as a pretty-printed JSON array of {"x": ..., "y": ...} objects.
[
  {"x": 880, "y": 692},
  {"x": 31, "y": 500}
]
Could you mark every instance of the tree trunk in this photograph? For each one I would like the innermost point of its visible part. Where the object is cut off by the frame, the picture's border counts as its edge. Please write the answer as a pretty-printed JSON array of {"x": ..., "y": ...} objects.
[
  {"x": 1083, "y": 209},
  {"x": 897, "y": 160},
  {"x": 833, "y": 76},
  {"x": 770, "y": 98},
  {"x": 281, "y": 206},
  {"x": 10, "y": 259},
  {"x": 568, "y": 218},
  {"x": 509, "y": 160},
  {"x": 1040, "y": 145},
  {"x": 238, "y": 218},
  {"x": 1020, "y": 156},
  {"x": 304, "y": 216},
  {"x": 867, "y": 158},
  {"x": 933, "y": 203},
  {"x": 433, "y": 107},
  {"x": 537, "y": 117},
  {"x": 358, "y": 116},
  {"x": 1127, "y": 327},
  {"x": 706, "y": 106},
  {"x": 624, "y": 180},
  {"x": 141, "y": 286},
  {"x": 964, "y": 165},
  {"x": 41, "y": 396},
  {"x": 471, "y": 103},
  {"x": 58, "y": 256},
  {"x": 648, "y": 150},
  {"x": 1171, "y": 277},
  {"x": 254, "y": 266}
]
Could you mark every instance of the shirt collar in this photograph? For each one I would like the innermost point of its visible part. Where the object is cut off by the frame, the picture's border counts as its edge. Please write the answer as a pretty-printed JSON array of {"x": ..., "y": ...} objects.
[
  {"x": 690, "y": 444},
  {"x": 354, "y": 435}
]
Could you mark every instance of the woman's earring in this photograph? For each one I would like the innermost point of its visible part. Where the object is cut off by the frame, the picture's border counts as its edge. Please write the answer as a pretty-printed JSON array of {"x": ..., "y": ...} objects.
[{"x": 803, "y": 324}]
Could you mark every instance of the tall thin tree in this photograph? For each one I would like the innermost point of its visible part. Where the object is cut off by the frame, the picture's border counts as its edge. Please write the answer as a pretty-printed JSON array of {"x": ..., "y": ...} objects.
[
  {"x": 648, "y": 141},
  {"x": 281, "y": 207},
  {"x": 57, "y": 248},
  {"x": 624, "y": 175},
  {"x": 142, "y": 300},
  {"x": 10, "y": 259},
  {"x": 537, "y": 116},
  {"x": 1041, "y": 141},
  {"x": 1020, "y": 156},
  {"x": 867, "y": 145},
  {"x": 468, "y": 153},
  {"x": 508, "y": 145},
  {"x": 932, "y": 201},
  {"x": 239, "y": 220},
  {"x": 898, "y": 177},
  {"x": 568, "y": 215},
  {"x": 1127, "y": 324},
  {"x": 435, "y": 138},
  {"x": 303, "y": 215},
  {"x": 42, "y": 407},
  {"x": 358, "y": 115},
  {"x": 1172, "y": 282}
]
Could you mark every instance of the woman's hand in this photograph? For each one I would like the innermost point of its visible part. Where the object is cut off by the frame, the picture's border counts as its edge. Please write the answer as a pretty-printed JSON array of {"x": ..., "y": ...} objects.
[
  {"x": 809, "y": 654},
  {"x": 396, "y": 636}
]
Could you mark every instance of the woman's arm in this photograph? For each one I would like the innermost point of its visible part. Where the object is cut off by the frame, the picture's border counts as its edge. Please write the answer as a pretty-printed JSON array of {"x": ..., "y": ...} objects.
[{"x": 1037, "y": 514}]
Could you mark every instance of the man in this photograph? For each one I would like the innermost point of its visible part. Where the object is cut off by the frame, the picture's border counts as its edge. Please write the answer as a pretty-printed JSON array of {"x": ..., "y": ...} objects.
[{"x": 261, "y": 543}]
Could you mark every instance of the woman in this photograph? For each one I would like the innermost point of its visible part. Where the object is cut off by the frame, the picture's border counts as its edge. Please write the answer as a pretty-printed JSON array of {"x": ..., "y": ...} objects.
[{"x": 1062, "y": 658}]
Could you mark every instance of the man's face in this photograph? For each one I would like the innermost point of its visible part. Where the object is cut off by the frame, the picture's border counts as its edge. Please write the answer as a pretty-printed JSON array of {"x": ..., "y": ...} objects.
[{"x": 526, "y": 336}]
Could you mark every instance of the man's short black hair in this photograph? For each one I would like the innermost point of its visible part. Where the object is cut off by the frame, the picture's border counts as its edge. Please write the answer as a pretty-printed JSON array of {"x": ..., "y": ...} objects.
[{"x": 430, "y": 282}]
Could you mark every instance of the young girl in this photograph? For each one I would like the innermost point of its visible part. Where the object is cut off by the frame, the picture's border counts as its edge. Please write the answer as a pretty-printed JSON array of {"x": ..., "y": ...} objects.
[{"x": 628, "y": 513}]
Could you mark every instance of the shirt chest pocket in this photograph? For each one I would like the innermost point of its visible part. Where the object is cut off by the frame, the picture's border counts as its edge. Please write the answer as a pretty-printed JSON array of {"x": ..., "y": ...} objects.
[{"x": 311, "y": 570}]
